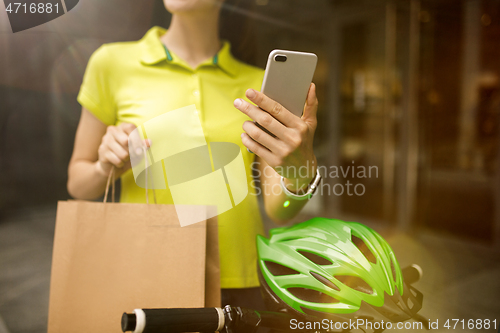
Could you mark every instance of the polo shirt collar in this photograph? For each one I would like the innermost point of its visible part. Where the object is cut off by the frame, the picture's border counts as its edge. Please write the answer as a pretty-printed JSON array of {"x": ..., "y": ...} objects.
[
  {"x": 153, "y": 51},
  {"x": 225, "y": 60}
]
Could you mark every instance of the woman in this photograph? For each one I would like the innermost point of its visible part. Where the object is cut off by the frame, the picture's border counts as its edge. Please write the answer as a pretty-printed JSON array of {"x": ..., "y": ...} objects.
[{"x": 126, "y": 84}]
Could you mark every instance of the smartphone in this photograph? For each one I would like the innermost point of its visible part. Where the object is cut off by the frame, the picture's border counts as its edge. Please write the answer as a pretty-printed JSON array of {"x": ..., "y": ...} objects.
[{"x": 287, "y": 78}]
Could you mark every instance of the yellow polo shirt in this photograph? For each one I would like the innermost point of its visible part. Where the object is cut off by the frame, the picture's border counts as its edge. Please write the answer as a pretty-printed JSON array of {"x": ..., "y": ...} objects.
[{"x": 136, "y": 81}]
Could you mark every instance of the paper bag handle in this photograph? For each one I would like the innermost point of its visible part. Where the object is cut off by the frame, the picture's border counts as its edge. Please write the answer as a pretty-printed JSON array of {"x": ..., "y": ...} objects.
[{"x": 112, "y": 176}]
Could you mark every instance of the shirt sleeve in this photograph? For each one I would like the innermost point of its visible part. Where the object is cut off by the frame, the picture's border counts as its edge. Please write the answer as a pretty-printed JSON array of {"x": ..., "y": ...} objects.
[{"x": 95, "y": 92}]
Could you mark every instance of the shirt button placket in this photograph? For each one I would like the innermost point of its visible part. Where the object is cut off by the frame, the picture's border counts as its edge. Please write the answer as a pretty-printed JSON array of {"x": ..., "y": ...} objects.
[{"x": 196, "y": 93}]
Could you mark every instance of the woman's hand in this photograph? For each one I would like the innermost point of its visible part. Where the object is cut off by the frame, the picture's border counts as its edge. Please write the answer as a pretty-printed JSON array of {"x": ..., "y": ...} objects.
[
  {"x": 113, "y": 150},
  {"x": 292, "y": 149},
  {"x": 99, "y": 148}
]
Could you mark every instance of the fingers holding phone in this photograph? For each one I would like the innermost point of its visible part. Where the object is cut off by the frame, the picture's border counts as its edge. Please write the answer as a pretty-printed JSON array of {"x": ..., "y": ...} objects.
[
  {"x": 309, "y": 116},
  {"x": 292, "y": 145}
]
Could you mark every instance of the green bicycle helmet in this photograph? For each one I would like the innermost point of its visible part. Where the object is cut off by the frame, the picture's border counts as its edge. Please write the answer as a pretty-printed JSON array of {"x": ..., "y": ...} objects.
[{"x": 334, "y": 269}]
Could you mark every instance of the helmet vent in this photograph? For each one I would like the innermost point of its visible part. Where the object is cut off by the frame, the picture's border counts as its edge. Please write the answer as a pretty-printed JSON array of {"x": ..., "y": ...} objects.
[
  {"x": 355, "y": 283},
  {"x": 289, "y": 239},
  {"x": 325, "y": 281},
  {"x": 393, "y": 269},
  {"x": 360, "y": 244},
  {"x": 310, "y": 295},
  {"x": 318, "y": 260},
  {"x": 410, "y": 303},
  {"x": 278, "y": 269},
  {"x": 312, "y": 312}
]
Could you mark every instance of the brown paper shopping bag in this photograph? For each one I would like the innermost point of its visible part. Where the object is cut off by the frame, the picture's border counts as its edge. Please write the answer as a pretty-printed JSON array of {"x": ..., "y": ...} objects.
[{"x": 109, "y": 258}]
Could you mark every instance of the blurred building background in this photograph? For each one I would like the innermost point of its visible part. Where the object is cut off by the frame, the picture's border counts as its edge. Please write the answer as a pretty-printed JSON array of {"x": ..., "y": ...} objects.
[{"x": 410, "y": 88}]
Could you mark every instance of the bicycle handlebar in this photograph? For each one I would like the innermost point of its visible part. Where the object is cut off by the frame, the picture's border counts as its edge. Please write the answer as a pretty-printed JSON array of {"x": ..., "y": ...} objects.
[
  {"x": 232, "y": 319},
  {"x": 173, "y": 320},
  {"x": 412, "y": 274}
]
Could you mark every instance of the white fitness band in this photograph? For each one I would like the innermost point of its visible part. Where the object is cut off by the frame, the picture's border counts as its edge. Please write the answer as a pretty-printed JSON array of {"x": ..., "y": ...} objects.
[{"x": 313, "y": 186}]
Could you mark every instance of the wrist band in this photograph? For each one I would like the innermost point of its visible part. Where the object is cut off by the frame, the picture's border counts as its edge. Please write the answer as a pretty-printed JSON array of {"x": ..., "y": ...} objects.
[{"x": 312, "y": 187}]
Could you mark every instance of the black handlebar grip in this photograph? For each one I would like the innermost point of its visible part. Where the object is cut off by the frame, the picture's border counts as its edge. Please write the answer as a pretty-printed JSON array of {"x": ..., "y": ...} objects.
[
  {"x": 128, "y": 322},
  {"x": 175, "y": 320}
]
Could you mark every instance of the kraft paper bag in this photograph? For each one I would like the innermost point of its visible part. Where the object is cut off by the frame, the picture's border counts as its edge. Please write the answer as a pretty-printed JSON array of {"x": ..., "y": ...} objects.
[{"x": 111, "y": 258}]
